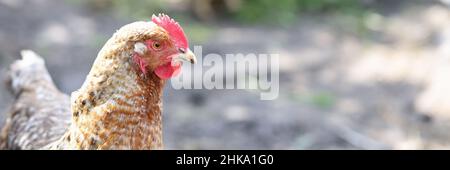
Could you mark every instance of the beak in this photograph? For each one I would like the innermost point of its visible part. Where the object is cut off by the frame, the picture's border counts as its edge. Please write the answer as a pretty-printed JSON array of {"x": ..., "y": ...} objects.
[{"x": 188, "y": 56}]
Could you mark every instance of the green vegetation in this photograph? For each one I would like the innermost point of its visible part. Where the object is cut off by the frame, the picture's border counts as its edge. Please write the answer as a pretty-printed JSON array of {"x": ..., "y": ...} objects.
[
  {"x": 320, "y": 99},
  {"x": 247, "y": 11},
  {"x": 137, "y": 9},
  {"x": 323, "y": 100},
  {"x": 285, "y": 11},
  {"x": 280, "y": 13}
]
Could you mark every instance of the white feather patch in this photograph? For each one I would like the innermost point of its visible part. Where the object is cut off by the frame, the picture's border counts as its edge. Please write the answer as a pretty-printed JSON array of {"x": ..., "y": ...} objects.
[{"x": 140, "y": 48}]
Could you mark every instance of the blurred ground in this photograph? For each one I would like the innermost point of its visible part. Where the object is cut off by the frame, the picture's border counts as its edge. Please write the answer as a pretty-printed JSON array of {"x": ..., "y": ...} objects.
[{"x": 377, "y": 82}]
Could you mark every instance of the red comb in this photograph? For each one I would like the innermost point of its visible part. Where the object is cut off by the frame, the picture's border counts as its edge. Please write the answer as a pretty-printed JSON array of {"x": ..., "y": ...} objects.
[{"x": 173, "y": 28}]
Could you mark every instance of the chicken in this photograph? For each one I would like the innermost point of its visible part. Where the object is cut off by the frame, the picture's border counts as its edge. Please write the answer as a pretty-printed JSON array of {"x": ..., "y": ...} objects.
[
  {"x": 119, "y": 104},
  {"x": 40, "y": 113}
]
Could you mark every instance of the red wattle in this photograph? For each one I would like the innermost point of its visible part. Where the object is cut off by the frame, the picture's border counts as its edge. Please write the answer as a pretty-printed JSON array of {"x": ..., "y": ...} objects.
[{"x": 167, "y": 71}]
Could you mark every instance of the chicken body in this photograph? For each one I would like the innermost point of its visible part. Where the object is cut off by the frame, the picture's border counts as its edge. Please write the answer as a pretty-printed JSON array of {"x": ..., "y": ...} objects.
[
  {"x": 41, "y": 113},
  {"x": 119, "y": 104}
]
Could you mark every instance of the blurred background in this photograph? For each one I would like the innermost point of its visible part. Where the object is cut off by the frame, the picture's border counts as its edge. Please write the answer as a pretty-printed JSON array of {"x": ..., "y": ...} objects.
[{"x": 354, "y": 74}]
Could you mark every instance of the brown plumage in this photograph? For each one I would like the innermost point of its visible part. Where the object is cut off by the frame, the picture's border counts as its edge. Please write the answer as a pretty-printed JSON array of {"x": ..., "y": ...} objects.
[{"x": 119, "y": 104}]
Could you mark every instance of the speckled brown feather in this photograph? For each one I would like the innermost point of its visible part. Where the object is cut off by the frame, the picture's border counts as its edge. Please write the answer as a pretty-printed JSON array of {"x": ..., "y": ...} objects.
[{"x": 117, "y": 107}]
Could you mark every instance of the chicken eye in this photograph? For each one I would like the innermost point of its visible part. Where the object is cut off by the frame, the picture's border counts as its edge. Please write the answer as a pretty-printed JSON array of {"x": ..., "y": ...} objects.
[{"x": 156, "y": 45}]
